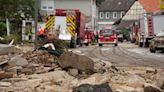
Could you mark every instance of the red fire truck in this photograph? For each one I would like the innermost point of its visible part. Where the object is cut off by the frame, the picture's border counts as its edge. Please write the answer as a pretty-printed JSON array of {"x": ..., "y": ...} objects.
[
  {"x": 67, "y": 25},
  {"x": 107, "y": 36}
]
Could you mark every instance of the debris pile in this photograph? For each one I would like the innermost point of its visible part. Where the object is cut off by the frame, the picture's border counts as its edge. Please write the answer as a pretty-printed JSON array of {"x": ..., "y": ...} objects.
[
  {"x": 41, "y": 71},
  {"x": 40, "y": 57}
]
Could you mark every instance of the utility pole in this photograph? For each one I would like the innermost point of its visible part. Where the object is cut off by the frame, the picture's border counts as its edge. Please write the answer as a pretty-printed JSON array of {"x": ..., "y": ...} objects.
[
  {"x": 36, "y": 23},
  {"x": 8, "y": 26}
]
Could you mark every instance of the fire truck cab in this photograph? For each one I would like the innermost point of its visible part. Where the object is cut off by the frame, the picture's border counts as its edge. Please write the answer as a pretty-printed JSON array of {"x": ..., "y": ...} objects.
[{"x": 107, "y": 36}]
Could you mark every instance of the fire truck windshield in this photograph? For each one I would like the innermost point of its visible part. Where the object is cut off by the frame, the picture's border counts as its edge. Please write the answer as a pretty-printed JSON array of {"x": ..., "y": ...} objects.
[{"x": 108, "y": 32}]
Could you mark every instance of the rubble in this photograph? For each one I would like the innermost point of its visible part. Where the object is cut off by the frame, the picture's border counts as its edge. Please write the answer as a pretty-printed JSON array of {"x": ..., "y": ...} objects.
[
  {"x": 42, "y": 71},
  {"x": 135, "y": 81},
  {"x": 40, "y": 57}
]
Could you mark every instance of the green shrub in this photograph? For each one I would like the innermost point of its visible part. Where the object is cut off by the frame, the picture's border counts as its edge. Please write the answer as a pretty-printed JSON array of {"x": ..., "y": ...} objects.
[
  {"x": 2, "y": 28},
  {"x": 8, "y": 39}
]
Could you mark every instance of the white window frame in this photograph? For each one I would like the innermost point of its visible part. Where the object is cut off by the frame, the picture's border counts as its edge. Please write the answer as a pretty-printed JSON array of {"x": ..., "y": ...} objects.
[
  {"x": 44, "y": 7},
  {"x": 114, "y": 15},
  {"x": 101, "y": 15},
  {"x": 107, "y": 15},
  {"x": 122, "y": 14},
  {"x": 50, "y": 8},
  {"x": 47, "y": 5}
]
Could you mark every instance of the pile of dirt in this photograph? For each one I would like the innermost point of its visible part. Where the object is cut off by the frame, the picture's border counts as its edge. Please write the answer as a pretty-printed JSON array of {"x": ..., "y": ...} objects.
[{"x": 40, "y": 57}]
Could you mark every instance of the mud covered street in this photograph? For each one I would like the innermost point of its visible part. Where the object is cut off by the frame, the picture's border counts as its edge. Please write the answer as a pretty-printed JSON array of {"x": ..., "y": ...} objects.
[{"x": 125, "y": 55}]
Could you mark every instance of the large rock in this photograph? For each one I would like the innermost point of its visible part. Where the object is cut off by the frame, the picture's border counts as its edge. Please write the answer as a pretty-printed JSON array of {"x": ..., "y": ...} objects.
[
  {"x": 55, "y": 76},
  {"x": 93, "y": 88},
  {"x": 151, "y": 88},
  {"x": 102, "y": 66},
  {"x": 5, "y": 84},
  {"x": 23, "y": 85},
  {"x": 73, "y": 72},
  {"x": 136, "y": 81},
  {"x": 3, "y": 62},
  {"x": 6, "y": 75},
  {"x": 19, "y": 61},
  {"x": 13, "y": 80},
  {"x": 95, "y": 79},
  {"x": 79, "y": 62},
  {"x": 49, "y": 89},
  {"x": 151, "y": 70},
  {"x": 6, "y": 49},
  {"x": 123, "y": 88}
]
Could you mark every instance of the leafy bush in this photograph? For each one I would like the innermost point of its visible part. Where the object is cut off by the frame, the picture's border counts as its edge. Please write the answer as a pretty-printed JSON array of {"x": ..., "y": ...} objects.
[
  {"x": 2, "y": 28},
  {"x": 8, "y": 39}
]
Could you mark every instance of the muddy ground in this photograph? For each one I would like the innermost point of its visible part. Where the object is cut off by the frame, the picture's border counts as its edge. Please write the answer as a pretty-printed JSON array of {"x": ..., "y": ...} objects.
[{"x": 125, "y": 55}]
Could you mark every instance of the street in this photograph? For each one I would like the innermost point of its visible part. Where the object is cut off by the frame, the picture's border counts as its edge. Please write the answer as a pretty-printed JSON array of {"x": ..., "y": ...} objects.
[{"x": 125, "y": 55}]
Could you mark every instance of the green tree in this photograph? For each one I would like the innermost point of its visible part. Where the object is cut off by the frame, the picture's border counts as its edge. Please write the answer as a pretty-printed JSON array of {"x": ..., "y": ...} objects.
[
  {"x": 2, "y": 28},
  {"x": 98, "y": 2},
  {"x": 16, "y": 9}
]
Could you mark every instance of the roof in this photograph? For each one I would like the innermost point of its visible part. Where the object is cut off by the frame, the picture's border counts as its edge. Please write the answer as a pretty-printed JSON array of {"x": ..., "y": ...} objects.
[
  {"x": 116, "y": 5},
  {"x": 134, "y": 12},
  {"x": 160, "y": 34},
  {"x": 125, "y": 24},
  {"x": 150, "y": 5}
]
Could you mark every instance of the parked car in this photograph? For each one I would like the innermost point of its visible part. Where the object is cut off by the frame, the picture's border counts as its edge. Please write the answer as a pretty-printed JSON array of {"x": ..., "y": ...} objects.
[
  {"x": 107, "y": 36},
  {"x": 157, "y": 43}
]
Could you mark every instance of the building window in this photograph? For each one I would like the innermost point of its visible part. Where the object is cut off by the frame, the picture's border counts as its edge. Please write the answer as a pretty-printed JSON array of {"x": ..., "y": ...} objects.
[
  {"x": 101, "y": 15},
  {"x": 122, "y": 14},
  {"x": 47, "y": 5},
  {"x": 44, "y": 7},
  {"x": 114, "y": 15},
  {"x": 50, "y": 8},
  {"x": 107, "y": 15}
]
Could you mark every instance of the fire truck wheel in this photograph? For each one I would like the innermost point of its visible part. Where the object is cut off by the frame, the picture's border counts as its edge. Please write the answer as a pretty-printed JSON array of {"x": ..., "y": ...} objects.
[
  {"x": 140, "y": 44},
  {"x": 81, "y": 44},
  {"x": 73, "y": 43},
  {"x": 152, "y": 50},
  {"x": 100, "y": 44},
  {"x": 86, "y": 44},
  {"x": 115, "y": 44}
]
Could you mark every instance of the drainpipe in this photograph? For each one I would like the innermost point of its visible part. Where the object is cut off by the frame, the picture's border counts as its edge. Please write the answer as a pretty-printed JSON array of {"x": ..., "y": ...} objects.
[{"x": 36, "y": 23}]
